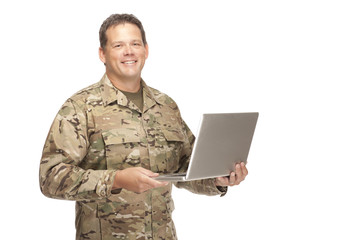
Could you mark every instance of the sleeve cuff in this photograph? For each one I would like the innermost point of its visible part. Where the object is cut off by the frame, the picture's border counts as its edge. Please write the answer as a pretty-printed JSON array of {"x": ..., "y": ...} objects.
[
  {"x": 222, "y": 189},
  {"x": 105, "y": 183}
]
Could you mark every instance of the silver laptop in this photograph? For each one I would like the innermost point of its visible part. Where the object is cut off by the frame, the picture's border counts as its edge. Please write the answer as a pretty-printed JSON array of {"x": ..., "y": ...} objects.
[{"x": 223, "y": 140}]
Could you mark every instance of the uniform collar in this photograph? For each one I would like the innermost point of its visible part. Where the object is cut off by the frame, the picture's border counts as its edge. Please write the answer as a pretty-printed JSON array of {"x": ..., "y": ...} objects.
[{"x": 111, "y": 94}]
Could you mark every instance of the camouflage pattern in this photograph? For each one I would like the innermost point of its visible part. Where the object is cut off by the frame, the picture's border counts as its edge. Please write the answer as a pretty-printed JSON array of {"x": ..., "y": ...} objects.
[{"x": 98, "y": 131}]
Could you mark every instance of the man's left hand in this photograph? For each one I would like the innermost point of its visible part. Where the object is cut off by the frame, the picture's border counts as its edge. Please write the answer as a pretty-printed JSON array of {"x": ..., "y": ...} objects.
[{"x": 235, "y": 178}]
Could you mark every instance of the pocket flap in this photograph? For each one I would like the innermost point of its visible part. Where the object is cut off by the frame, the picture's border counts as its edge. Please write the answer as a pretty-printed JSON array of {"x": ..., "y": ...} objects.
[
  {"x": 174, "y": 135},
  {"x": 121, "y": 135}
]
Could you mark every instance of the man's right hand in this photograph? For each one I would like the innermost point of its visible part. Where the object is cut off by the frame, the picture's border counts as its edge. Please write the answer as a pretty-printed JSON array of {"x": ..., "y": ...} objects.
[{"x": 136, "y": 179}]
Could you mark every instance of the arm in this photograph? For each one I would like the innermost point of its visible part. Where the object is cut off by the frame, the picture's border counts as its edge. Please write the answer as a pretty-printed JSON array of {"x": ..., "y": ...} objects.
[
  {"x": 136, "y": 179},
  {"x": 65, "y": 148}
]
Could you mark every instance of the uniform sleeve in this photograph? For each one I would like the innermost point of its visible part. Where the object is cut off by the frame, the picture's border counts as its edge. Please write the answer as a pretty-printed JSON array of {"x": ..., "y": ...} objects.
[
  {"x": 65, "y": 147},
  {"x": 205, "y": 186}
]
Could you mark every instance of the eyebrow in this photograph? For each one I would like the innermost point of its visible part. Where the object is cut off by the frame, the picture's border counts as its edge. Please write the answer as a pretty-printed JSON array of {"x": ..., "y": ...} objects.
[
  {"x": 135, "y": 40},
  {"x": 115, "y": 42}
]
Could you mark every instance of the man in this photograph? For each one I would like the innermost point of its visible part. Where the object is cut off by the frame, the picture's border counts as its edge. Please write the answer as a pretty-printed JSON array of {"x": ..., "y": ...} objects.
[{"x": 111, "y": 139}]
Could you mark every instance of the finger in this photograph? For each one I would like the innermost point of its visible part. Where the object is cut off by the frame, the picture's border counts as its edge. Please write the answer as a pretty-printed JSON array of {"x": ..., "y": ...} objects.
[
  {"x": 148, "y": 172},
  {"x": 232, "y": 178},
  {"x": 152, "y": 183},
  {"x": 239, "y": 174},
  {"x": 222, "y": 181},
  {"x": 244, "y": 169},
  {"x": 242, "y": 174},
  {"x": 238, "y": 169}
]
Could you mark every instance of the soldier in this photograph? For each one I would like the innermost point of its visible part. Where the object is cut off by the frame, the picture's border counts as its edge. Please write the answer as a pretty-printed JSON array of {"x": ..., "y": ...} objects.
[{"x": 110, "y": 139}]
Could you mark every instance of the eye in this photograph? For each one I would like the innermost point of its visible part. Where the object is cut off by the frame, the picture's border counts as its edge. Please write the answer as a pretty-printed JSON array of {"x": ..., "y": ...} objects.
[{"x": 118, "y": 45}]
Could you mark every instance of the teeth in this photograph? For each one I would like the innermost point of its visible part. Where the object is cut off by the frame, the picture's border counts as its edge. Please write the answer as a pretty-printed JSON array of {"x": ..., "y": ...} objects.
[{"x": 129, "y": 62}]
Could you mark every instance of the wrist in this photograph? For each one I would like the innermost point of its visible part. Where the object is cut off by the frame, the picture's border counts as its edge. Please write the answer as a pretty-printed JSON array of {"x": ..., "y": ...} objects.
[{"x": 117, "y": 181}]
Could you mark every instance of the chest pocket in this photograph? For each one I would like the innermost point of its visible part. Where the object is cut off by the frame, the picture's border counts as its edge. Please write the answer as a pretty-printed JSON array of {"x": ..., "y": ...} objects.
[
  {"x": 172, "y": 143},
  {"x": 122, "y": 148}
]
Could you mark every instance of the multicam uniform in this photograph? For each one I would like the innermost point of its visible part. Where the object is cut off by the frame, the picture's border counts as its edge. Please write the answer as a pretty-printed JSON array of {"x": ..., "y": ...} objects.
[{"x": 98, "y": 131}]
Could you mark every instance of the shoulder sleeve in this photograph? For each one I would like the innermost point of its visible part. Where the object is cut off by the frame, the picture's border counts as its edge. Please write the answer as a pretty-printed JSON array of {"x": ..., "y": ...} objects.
[{"x": 65, "y": 147}]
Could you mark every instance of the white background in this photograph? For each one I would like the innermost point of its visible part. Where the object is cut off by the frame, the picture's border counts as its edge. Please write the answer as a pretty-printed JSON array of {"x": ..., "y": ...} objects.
[{"x": 296, "y": 62}]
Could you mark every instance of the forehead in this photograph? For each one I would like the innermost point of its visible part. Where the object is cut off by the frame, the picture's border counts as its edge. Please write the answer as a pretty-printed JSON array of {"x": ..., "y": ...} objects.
[{"x": 123, "y": 32}]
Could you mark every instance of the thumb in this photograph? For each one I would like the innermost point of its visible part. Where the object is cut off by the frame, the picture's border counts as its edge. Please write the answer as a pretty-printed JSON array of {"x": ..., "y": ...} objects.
[{"x": 148, "y": 172}]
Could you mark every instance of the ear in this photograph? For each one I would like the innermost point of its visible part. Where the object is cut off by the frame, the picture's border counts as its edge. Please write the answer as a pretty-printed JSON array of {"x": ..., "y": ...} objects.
[
  {"x": 146, "y": 51},
  {"x": 102, "y": 55}
]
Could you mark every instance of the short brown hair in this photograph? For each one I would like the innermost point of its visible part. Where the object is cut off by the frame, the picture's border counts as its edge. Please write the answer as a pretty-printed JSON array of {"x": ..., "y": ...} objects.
[{"x": 116, "y": 19}]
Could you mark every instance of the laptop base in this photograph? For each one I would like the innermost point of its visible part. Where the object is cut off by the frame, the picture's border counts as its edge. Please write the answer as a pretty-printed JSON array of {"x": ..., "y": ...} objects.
[{"x": 177, "y": 177}]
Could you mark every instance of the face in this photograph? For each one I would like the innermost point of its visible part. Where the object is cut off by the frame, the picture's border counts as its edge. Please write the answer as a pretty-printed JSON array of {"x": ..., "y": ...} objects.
[{"x": 124, "y": 54}]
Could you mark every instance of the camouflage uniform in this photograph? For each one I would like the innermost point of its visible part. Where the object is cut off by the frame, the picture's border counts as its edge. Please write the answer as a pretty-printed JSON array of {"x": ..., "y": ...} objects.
[{"x": 98, "y": 131}]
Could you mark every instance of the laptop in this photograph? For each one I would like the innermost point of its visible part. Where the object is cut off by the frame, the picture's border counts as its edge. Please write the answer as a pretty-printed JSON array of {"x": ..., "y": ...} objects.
[{"x": 223, "y": 140}]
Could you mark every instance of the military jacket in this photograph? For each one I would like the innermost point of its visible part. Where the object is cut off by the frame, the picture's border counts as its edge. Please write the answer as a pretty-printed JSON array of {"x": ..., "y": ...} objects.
[{"x": 98, "y": 131}]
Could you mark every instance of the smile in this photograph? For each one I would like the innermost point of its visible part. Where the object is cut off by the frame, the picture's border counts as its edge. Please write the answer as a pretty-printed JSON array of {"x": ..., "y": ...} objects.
[{"x": 129, "y": 62}]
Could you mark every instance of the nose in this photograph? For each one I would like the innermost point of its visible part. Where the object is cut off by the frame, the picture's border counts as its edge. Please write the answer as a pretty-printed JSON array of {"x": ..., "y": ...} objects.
[{"x": 128, "y": 50}]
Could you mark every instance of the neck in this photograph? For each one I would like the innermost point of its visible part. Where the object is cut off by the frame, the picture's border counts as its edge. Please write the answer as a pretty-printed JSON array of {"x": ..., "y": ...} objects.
[{"x": 127, "y": 85}]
